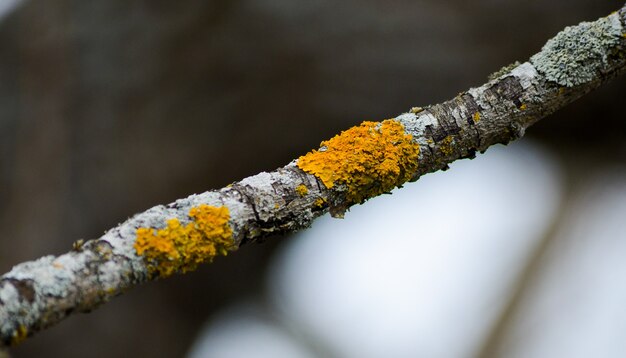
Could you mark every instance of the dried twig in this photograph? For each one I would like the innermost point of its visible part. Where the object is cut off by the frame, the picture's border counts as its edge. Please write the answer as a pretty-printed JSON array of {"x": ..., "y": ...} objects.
[{"x": 360, "y": 163}]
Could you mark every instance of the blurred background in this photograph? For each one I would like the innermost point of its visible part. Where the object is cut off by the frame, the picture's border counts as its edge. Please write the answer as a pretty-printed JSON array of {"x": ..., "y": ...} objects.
[{"x": 110, "y": 107}]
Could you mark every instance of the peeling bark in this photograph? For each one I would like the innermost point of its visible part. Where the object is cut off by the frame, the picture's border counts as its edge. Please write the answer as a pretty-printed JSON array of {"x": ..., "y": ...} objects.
[{"x": 37, "y": 294}]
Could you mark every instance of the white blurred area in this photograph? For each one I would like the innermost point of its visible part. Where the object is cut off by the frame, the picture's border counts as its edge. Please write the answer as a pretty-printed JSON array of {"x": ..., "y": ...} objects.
[
  {"x": 7, "y": 6},
  {"x": 577, "y": 308},
  {"x": 431, "y": 270},
  {"x": 242, "y": 331}
]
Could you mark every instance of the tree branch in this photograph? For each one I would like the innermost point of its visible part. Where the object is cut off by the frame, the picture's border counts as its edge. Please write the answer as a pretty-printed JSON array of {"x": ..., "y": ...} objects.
[{"x": 360, "y": 163}]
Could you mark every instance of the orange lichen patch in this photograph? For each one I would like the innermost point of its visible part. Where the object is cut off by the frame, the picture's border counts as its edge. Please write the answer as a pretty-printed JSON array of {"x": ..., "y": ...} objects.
[
  {"x": 476, "y": 117},
  {"x": 19, "y": 335},
  {"x": 364, "y": 161},
  {"x": 302, "y": 190},
  {"x": 445, "y": 146},
  {"x": 178, "y": 248}
]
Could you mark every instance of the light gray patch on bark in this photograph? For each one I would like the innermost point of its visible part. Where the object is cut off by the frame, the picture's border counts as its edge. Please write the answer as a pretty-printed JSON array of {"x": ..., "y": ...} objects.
[
  {"x": 417, "y": 124},
  {"x": 526, "y": 73}
]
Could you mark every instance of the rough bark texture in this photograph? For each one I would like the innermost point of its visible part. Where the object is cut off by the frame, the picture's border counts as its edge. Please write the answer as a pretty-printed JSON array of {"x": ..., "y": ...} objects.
[{"x": 37, "y": 294}]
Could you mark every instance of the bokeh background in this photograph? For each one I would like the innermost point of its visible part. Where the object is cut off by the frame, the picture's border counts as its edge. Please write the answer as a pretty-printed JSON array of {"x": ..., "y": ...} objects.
[{"x": 110, "y": 107}]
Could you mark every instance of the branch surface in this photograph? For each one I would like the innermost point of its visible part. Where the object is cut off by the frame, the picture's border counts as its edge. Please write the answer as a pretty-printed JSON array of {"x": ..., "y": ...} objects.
[{"x": 362, "y": 162}]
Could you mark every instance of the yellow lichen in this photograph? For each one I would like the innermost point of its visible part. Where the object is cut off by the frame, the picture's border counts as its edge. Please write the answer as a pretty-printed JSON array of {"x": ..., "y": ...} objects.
[
  {"x": 476, "y": 117},
  {"x": 319, "y": 202},
  {"x": 523, "y": 107},
  {"x": 78, "y": 245},
  {"x": 178, "y": 248},
  {"x": 19, "y": 335},
  {"x": 364, "y": 161},
  {"x": 302, "y": 190},
  {"x": 445, "y": 146}
]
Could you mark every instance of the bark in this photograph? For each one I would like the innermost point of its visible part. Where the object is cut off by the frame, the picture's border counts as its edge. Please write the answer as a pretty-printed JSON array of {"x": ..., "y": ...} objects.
[{"x": 37, "y": 294}]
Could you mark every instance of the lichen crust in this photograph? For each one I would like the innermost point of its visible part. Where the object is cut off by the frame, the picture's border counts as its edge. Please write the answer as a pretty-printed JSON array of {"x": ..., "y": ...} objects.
[
  {"x": 19, "y": 335},
  {"x": 302, "y": 190},
  {"x": 181, "y": 248},
  {"x": 577, "y": 54},
  {"x": 364, "y": 161}
]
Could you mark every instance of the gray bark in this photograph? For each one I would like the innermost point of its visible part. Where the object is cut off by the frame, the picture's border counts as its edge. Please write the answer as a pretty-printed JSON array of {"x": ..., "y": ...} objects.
[{"x": 37, "y": 294}]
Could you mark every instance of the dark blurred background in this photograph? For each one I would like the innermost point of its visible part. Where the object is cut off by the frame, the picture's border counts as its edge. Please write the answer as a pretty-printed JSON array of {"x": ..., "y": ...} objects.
[{"x": 110, "y": 107}]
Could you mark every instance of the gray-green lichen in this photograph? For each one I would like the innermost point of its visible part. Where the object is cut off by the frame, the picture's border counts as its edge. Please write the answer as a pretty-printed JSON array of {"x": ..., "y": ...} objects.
[
  {"x": 503, "y": 71},
  {"x": 577, "y": 54}
]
